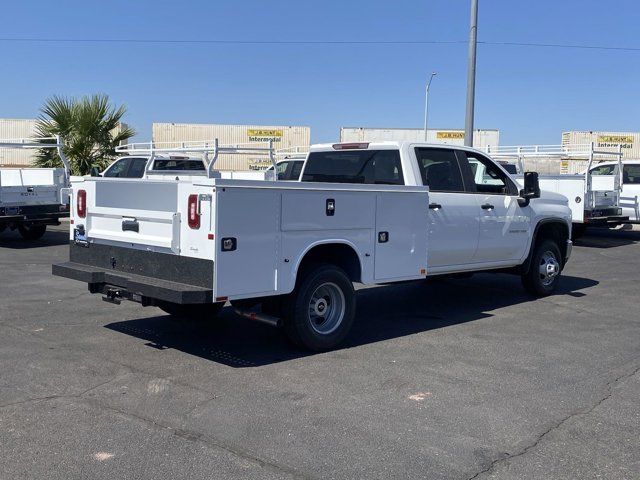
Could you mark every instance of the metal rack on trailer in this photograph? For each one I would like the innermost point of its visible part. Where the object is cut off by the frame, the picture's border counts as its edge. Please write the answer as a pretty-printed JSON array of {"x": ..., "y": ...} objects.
[
  {"x": 593, "y": 199},
  {"x": 32, "y": 198}
]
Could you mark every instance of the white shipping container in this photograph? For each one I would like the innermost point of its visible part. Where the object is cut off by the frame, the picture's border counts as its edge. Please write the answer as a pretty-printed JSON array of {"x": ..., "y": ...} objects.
[
  {"x": 481, "y": 138},
  {"x": 17, "y": 128},
  {"x": 282, "y": 137}
]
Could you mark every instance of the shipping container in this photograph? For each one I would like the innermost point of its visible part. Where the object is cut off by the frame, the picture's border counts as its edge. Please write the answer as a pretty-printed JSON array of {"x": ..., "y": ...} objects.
[
  {"x": 481, "y": 138},
  {"x": 630, "y": 141},
  {"x": 16, "y": 128},
  {"x": 258, "y": 135}
]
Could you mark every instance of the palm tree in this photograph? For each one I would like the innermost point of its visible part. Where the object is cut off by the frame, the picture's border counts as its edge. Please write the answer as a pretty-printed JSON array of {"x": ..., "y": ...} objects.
[{"x": 90, "y": 128}]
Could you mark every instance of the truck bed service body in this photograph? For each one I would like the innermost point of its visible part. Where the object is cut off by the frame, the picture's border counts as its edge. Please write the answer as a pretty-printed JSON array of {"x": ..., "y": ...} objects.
[{"x": 287, "y": 253}]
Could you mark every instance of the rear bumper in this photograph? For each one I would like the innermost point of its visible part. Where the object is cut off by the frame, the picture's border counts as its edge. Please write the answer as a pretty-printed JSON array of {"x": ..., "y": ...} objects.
[
  {"x": 40, "y": 214},
  {"x": 140, "y": 275},
  {"x": 604, "y": 216}
]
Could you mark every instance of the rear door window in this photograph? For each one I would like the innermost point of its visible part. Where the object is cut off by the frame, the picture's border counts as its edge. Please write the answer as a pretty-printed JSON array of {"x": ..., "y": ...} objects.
[
  {"x": 296, "y": 169},
  {"x": 137, "y": 167},
  {"x": 440, "y": 169},
  {"x": 177, "y": 164},
  {"x": 631, "y": 174},
  {"x": 381, "y": 167}
]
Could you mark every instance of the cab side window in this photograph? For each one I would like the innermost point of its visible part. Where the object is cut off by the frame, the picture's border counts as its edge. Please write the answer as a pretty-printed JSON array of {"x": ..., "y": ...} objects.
[
  {"x": 631, "y": 174},
  {"x": 603, "y": 170},
  {"x": 488, "y": 177},
  {"x": 118, "y": 169},
  {"x": 296, "y": 170},
  {"x": 439, "y": 169},
  {"x": 136, "y": 168}
]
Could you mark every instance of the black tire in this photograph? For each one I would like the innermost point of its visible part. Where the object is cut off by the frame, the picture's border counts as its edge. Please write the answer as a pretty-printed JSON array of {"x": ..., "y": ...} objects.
[
  {"x": 540, "y": 280},
  {"x": 578, "y": 230},
  {"x": 197, "y": 311},
  {"x": 32, "y": 232},
  {"x": 323, "y": 289}
]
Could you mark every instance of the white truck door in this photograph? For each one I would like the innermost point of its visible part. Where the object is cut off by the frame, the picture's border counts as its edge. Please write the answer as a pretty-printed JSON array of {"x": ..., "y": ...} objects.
[
  {"x": 504, "y": 225},
  {"x": 453, "y": 214}
]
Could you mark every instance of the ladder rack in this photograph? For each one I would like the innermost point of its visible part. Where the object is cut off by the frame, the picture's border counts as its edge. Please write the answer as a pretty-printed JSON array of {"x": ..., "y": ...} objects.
[
  {"x": 42, "y": 142},
  {"x": 205, "y": 148}
]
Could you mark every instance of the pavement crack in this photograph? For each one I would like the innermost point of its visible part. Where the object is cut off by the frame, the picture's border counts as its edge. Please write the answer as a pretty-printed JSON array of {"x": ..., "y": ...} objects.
[
  {"x": 208, "y": 441},
  {"x": 506, "y": 456}
]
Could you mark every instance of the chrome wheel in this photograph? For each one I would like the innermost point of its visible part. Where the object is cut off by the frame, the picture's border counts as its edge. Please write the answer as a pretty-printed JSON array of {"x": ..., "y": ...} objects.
[
  {"x": 549, "y": 268},
  {"x": 326, "y": 308}
]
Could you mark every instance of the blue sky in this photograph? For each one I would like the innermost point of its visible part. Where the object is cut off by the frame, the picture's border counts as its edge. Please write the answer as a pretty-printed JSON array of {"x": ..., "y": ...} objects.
[{"x": 531, "y": 94}]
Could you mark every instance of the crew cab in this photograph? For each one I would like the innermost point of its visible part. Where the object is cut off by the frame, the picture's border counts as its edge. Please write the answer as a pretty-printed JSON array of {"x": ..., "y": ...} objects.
[{"x": 288, "y": 253}]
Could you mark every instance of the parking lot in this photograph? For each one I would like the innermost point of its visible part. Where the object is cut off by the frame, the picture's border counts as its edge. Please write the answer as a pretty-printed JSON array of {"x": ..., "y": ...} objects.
[{"x": 455, "y": 379}]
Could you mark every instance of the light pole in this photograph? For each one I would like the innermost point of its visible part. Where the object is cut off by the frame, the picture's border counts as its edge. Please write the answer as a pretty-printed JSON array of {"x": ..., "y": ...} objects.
[
  {"x": 426, "y": 104},
  {"x": 471, "y": 75}
]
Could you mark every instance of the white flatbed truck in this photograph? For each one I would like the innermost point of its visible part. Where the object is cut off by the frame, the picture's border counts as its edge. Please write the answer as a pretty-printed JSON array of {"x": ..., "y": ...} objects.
[
  {"x": 33, "y": 198},
  {"x": 288, "y": 253}
]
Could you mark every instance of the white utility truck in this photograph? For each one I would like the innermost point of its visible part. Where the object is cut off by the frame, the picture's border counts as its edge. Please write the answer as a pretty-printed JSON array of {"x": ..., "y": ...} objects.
[
  {"x": 630, "y": 191},
  {"x": 32, "y": 198},
  {"x": 288, "y": 253},
  {"x": 593, "y": 199}
]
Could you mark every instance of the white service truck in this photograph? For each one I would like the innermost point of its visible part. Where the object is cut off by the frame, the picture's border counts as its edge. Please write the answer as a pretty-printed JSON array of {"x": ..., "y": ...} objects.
[
  {"x": 288, "y": 253},
  {"x": 32, "y": 198},
  {"x": 593, "y": 199}
]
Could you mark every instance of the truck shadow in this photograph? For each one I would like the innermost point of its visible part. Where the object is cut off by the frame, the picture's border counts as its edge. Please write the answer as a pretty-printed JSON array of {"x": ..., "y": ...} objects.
[
  {"x": 51, "y": 238},
  {"x": 605, "y": 238},
  {"x": 416, "y": 307}
]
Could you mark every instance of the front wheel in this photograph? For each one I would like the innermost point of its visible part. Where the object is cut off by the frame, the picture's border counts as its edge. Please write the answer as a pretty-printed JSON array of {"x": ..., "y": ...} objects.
[
  {"x": 320, "y": 311},
  {"x": 32, "y": 232},
  {"x": 196, "y": 311},
  {"x": 544, "y": 272}
]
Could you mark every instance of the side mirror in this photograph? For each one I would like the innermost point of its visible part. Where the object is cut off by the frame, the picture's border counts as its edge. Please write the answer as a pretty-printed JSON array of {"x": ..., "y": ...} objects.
[
  {"x": 95, "y": 172},
  {"x": 531, "y": 188}
]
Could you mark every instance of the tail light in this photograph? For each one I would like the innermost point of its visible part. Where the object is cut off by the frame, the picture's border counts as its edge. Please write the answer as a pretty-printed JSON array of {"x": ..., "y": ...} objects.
[
  {"x": 193, "y": 215},
  {"x": 81, "y": 203}
]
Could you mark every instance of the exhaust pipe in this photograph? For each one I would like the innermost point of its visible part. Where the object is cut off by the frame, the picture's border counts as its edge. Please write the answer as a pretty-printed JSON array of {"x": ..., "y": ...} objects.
[{"x": 260, "y": 317}]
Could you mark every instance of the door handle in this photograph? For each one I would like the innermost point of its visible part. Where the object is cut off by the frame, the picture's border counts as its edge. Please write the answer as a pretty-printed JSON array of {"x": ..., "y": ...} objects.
[
  {"x": 435, "y": 206},
  {"x": 487, "y": 206}
]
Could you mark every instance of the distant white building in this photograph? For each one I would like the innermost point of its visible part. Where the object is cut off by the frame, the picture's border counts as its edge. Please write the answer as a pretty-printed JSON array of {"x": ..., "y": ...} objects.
[{"x": 481, "y": 138}]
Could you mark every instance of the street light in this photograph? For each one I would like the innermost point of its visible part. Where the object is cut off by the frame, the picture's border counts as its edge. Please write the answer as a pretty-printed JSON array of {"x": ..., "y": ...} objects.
[{"x": 426, "y": 104}]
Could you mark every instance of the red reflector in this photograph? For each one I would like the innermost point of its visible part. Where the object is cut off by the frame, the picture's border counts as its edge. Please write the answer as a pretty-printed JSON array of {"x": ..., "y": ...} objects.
[
  {"x": 81, "y": 203},
  {"x": 222, "y": 299},
  {"x": 210, "y": 236},
  {"x": 350, "y": 146},
  {"x": 71, "y": 221},
  {"x": 193, "y": 216}
]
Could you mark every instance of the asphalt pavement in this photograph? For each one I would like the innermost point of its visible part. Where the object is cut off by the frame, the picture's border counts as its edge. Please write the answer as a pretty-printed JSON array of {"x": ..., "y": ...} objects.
[{"x": 457, "y": 379}]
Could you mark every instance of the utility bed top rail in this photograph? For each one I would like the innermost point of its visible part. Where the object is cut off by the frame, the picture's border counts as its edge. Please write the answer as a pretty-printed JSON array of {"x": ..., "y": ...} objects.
[
  {"x": 205, "y": 148},
  {"x": 42, "y": 142}
]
